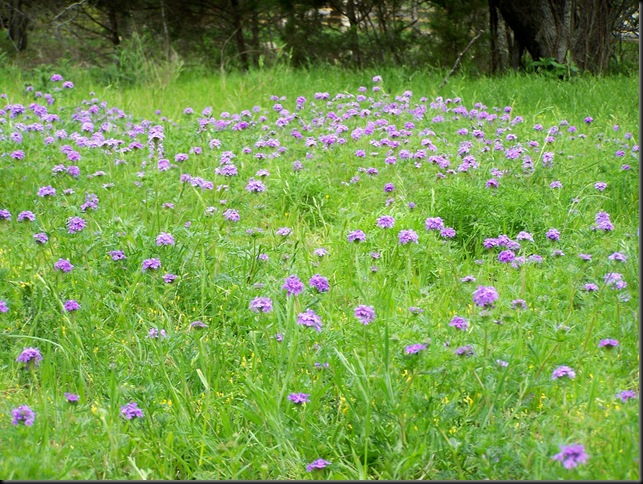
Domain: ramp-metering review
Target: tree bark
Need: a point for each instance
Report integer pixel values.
(493, 30)
(18, 25)
(238, 33)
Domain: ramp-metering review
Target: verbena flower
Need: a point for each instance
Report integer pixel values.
(386, 222)
(164, 239)
(590, 287)
(71, 305)
(320, 283)
(553, 234)
(317, 464)
(563, 371)
(320, 252)
(516, 303)
(293, 286)
(63, 265)
(466, 350)
(284, 231)
(506, 256)
(131, 411)
(365, 314)
(40, 238)
(617, 256)
(30, 356)
(468, 279)
(356, 236)
(23, 414)
(255, 186)
(626, 395)
(310, 318)
(198, 325)
(3, 306)
(434, 223)
(299, 398)
(407, 237)
(72, 397)
(75, 224)
(154, 333)
(117, 255)
(415, 310)
(571, 455)
(484, 296)
(608, 343)
(415, 348)
(26, 215)
(152, 264)
(459, 322)
(169, 278)
(231, 215)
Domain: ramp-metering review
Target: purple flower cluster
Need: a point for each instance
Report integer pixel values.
(365, 314)
(30, 356)
(320, 283)
(23, 414)
(150, 264)
(603, 222)
(484, 296)
(563, 371)
(310, 318)
(261, 305)
(407, 236)
(356, 236)
(299, 398)
(131, 411)
(571, 455)
(293, 286)
(414, 349)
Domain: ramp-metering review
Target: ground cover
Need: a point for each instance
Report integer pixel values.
(319, 275)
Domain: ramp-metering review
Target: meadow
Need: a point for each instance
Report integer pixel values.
(319, 275)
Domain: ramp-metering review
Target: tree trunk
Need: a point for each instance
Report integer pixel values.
(493, 30)
(18, 25)
(238, 33)
(556, 28)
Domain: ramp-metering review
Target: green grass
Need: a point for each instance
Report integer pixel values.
(215, 400)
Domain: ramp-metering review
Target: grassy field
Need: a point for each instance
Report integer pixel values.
(319, 275)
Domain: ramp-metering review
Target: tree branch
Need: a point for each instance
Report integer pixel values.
(457, 61)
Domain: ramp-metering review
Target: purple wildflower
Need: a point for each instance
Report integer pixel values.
(466, 350)
(5, 214)
(600, 186)
(556, 184)
(23, 414)
(117, 255)
(603, 222)
(198, 325)
(416, 310)
(261, 304)
(155, 333)
(590, 287)
(231, 215)
(131, 410)
(413, 349)
(553, 234)
(26, 215)
(625, 395)
(40, 238)
(71, 305)
(47, 191)
(434, 223)
(484, 296)
(319, 282)
(518, 303)
(255, 186)
(608, 343)
(164, 239)
(563, 371)
(284, 231)
(447, 233)
(506, 256)
(310, 318)
(502, 363)
(459, 323)
(75, 224)
(293, 286)
(618, 256)
(389, 187)
(30, 356)
(571, 455)
(365, 314)
(71, 397)
(169, 278)
(587, 257)
(298, 398)
(317, 464)
(279, 337)
(152, 263)
(385, 222)
(3, 306)
(356, 236)
(321, 252)
(524, 236)
(63, 265)
(468, 279)
(407, 236)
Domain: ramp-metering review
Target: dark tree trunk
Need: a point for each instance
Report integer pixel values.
(18, 25)
(576, 30)
(113, 25)
(353, 39)
(238, 33)
(493, 30)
